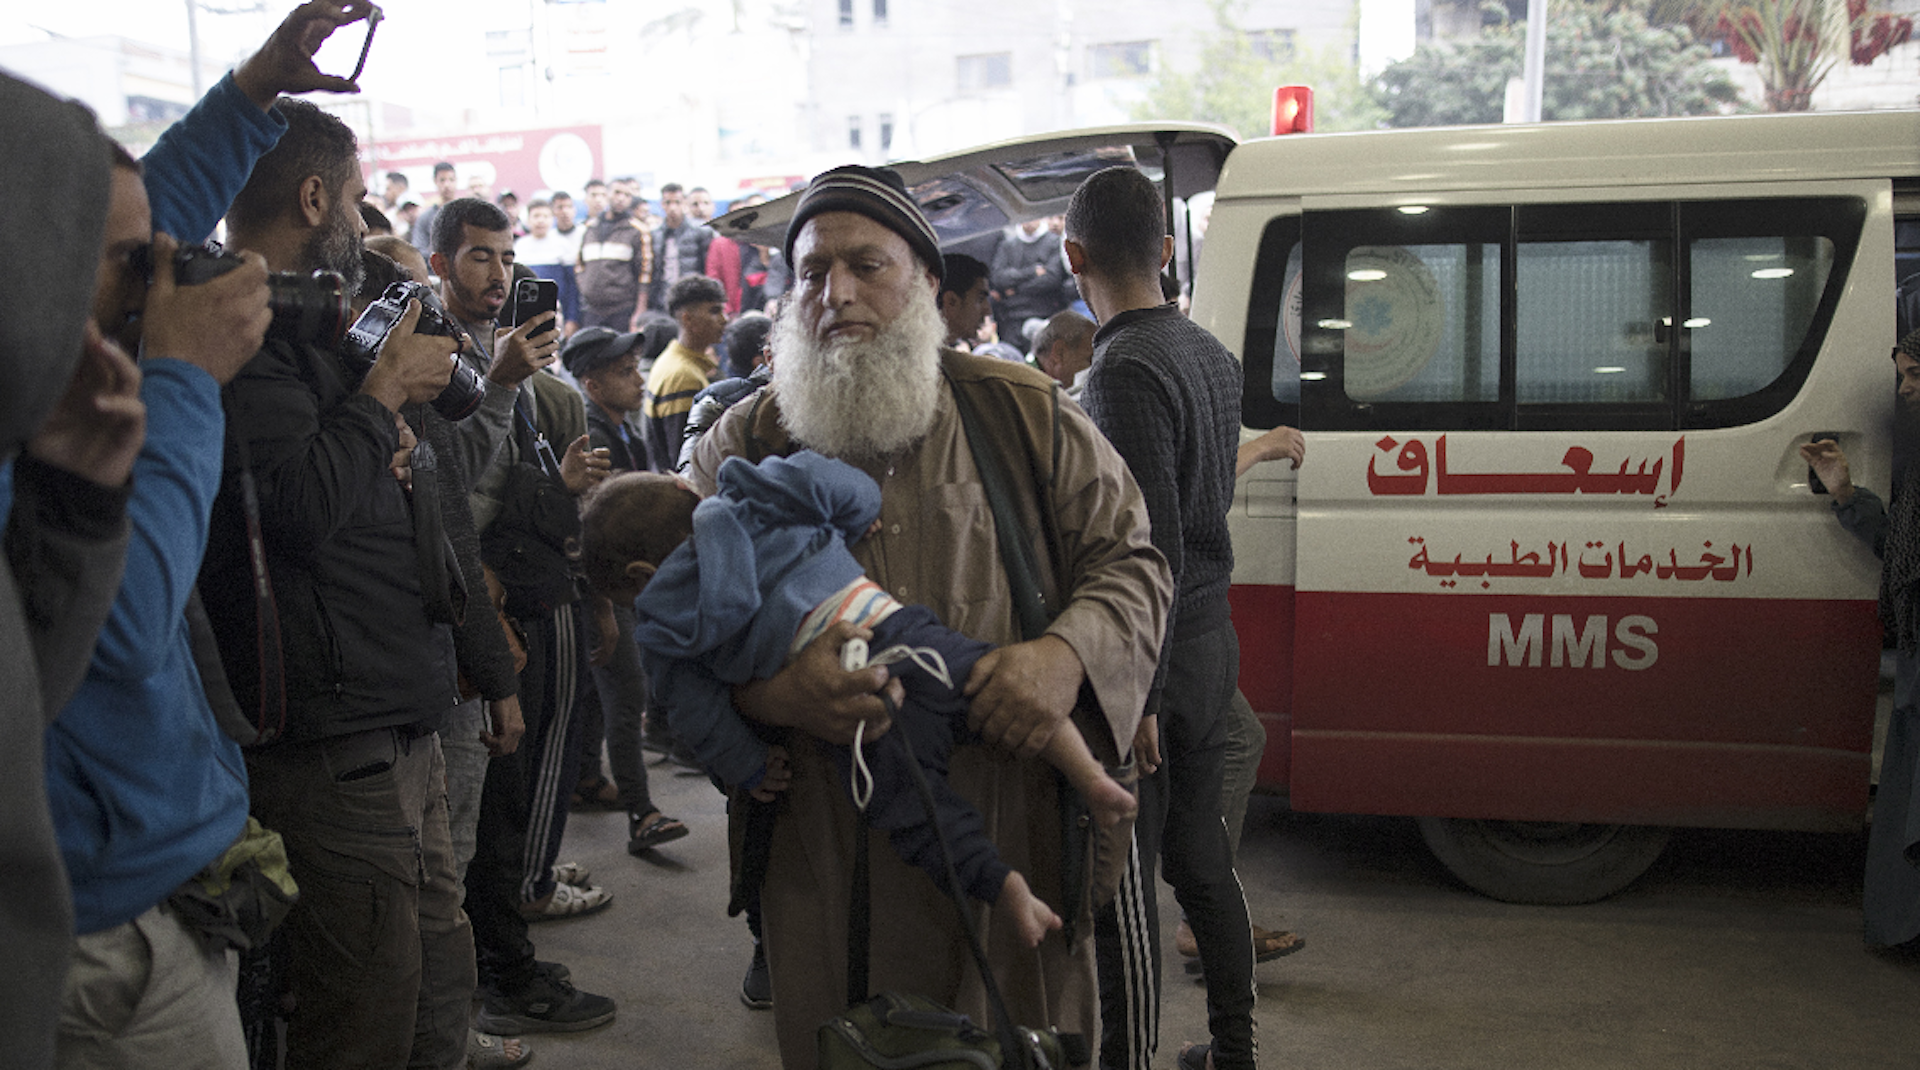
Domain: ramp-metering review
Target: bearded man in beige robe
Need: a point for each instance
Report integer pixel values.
(859, 374)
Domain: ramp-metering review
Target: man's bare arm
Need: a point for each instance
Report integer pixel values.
(1280, 443)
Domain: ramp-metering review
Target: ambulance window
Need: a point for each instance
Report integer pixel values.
(1604, 316)
(1422, 322)
(1401, 317)
(1762, 279)
(1270, 352)
(1586, 316)
(1753, 300)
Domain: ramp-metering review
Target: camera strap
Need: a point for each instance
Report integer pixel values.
(270, 718)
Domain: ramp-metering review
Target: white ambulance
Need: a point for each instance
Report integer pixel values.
(1553, 579)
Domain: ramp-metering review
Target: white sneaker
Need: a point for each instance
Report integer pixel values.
(568, 901)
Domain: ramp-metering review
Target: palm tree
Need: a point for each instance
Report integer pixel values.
(1797, 43)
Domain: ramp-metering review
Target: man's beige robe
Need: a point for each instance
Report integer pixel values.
(937, 547)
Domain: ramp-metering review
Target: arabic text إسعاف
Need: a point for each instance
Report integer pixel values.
(1418, 470)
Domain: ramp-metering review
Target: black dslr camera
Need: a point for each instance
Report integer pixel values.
(361, 347)
(306, 308)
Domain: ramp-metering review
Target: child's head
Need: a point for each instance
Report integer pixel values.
(630, 525)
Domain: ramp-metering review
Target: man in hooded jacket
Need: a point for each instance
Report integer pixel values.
(71, 414)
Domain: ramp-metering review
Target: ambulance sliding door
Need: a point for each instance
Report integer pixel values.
(1557, 559)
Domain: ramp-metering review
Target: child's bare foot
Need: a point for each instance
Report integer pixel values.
(1109, 800)
(1032, 918)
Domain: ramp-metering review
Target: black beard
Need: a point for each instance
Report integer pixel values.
(337, 247)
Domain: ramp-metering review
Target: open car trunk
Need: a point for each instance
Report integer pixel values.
(983, 190)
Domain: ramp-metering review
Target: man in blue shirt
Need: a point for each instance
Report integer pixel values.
(144, 787)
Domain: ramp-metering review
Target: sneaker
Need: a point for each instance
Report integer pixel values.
(552, 971)
(546, 1005)
(756, 989)
(568, 901)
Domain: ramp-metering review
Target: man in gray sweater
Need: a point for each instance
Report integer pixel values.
(1167, 395)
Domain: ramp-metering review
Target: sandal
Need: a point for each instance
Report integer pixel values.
(488, 1052)
(567, 902)
(595, 793)
(644, 835)
(1268, 944)
(572, 873)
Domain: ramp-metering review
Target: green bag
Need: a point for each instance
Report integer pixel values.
(896, 1032)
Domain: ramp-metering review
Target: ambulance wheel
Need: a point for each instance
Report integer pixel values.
(1539, 862)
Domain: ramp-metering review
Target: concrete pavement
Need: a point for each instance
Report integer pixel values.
(1737, 951)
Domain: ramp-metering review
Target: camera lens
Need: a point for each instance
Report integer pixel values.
(309, 308)
(464, 393)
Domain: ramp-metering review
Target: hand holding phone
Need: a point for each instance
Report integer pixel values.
(520, 350)
(530, 298)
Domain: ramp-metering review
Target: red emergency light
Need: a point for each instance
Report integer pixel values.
(1293, 110)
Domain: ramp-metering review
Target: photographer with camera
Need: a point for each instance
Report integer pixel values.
(139, 736)
(366, 672)
(151, 978)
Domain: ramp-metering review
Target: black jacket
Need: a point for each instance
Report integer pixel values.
(628, 451)
(692, 241)
(359, 649)
(1027, 279)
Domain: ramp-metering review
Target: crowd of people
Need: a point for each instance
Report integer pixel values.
(325, 631)
(314, 636)
(615, 262)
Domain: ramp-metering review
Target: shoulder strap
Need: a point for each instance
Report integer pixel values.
(1016, 553)
(270, 717)
(1030, 604)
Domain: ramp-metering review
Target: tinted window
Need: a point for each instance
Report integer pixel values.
(1641, 315)
(1753, 301)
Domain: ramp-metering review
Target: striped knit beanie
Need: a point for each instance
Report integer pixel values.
(880, 194)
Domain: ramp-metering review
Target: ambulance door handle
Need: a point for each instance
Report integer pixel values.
(1272, 498)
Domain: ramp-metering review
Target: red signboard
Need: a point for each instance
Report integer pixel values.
(554, 158)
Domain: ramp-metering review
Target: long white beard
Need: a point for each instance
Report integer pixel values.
(861, 399)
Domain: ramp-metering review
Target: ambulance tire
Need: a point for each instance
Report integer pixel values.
(1543, 863)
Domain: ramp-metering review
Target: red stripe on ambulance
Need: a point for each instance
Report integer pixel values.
(1559, 708)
